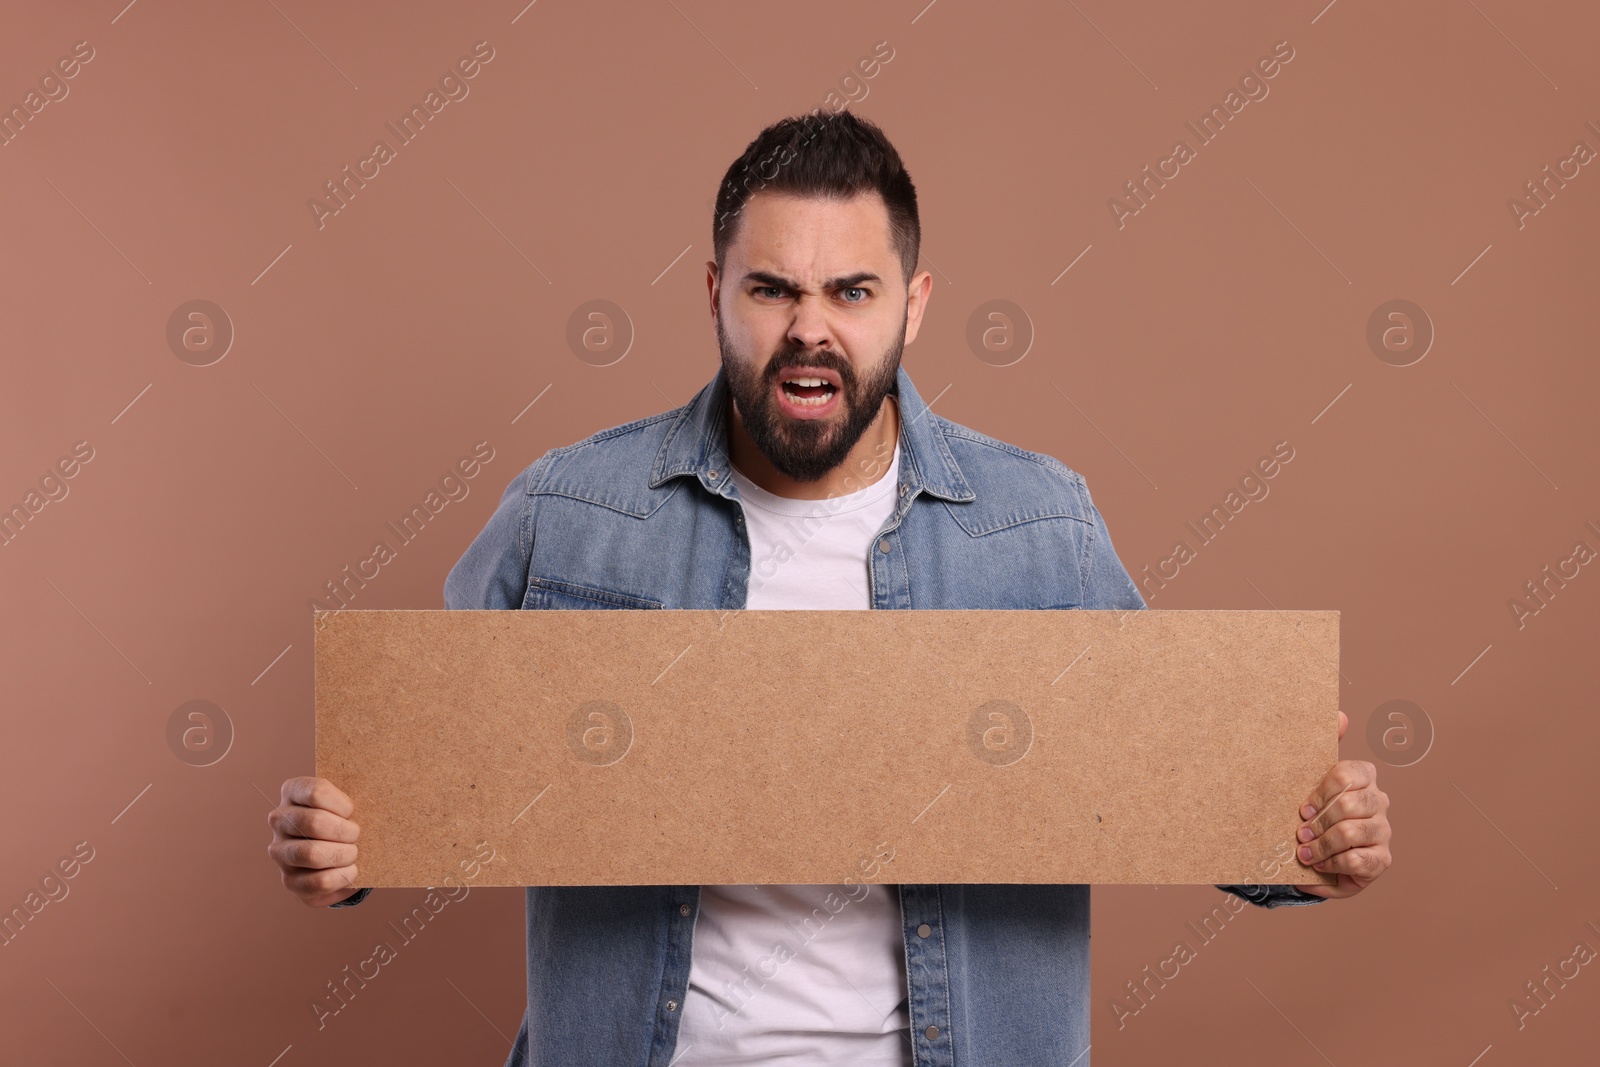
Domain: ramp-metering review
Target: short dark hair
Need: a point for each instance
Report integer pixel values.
(836, 156)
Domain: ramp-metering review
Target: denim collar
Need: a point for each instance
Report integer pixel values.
(697, 444)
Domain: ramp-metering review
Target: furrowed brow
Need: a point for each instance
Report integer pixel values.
(778, 281)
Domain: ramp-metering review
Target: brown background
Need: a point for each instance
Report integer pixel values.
(370, 354)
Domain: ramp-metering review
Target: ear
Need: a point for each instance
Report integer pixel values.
(916, 302)
(713, 286)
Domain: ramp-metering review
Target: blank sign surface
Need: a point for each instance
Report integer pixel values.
(684, 747)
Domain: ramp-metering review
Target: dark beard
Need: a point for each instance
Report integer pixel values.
(807, 449)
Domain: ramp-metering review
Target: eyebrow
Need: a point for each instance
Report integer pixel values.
(843, 282)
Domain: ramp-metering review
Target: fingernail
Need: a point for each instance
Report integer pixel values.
(1306, 833)
(1307, 811)
(1305, 853)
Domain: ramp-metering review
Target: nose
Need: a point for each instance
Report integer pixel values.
(810, 329)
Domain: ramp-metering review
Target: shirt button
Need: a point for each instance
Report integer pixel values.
(931, 1032)
(672, 1005)
(713, 474)
(924, 930)
(683, 909)
(883, 546)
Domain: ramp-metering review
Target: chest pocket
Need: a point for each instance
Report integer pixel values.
(553, 593)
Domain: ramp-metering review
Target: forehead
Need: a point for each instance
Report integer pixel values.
(800, 236)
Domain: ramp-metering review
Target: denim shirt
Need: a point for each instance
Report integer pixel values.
(644, 515)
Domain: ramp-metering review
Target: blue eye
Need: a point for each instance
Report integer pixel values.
(856, 289)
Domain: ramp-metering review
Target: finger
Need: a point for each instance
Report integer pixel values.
(303, 855)
(1352, 833)
(1366, 863)
(1347, 887)
(1345, 775)
(1344, 724)
(1365, 803)
(332, 898)
(315, 823)
(318, 793)
(312, 886)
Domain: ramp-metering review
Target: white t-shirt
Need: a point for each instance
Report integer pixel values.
(801, 974)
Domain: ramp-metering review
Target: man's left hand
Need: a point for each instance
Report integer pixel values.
(1345, 829)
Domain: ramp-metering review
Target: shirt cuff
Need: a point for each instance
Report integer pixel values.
(1272, 896)
(355, 898)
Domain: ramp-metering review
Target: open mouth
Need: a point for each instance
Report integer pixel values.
(808, 392)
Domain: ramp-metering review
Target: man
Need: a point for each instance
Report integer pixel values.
(809, 473)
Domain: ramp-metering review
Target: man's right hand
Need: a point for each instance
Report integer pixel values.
(314, 841)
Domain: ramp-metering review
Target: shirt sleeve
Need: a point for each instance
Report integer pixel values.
(1106, 585)
(493, 571)
(355, 898)
(1271, 896)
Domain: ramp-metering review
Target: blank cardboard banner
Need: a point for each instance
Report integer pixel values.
(679, 747)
